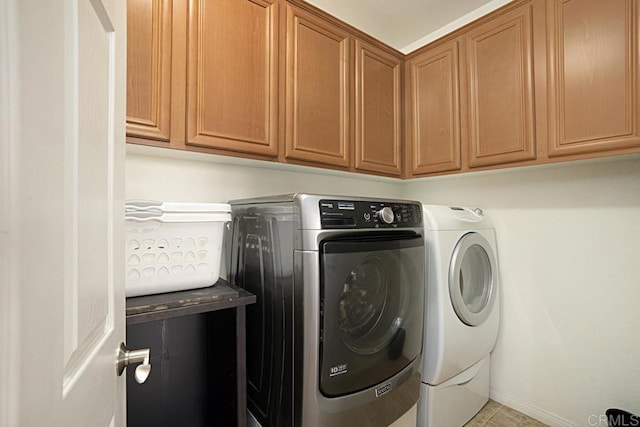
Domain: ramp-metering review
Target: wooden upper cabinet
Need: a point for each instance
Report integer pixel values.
(378, 132)
(317, 89)
(434, 110)
(500, 84)
(232, 92)
(594, 83)
(529, 83)
(149, 68)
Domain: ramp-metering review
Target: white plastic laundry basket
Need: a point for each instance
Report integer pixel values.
(172, 251)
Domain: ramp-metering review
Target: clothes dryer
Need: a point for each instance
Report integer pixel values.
(462, 314)
(335, 337)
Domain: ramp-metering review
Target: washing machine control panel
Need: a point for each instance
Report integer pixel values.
(369, 214)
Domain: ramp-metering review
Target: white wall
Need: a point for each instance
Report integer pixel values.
(207, 178)
(408, 25)
(569, 253)
(454, 25)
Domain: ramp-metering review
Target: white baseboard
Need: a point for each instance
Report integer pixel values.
(530, 410)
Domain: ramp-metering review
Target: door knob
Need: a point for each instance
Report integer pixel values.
(128, 357)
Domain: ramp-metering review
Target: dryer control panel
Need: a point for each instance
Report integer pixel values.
(467, 214)
(369, 214)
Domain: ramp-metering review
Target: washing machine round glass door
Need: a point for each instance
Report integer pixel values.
(472, 279)
(372, 293)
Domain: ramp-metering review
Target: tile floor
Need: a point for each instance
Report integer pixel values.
(496, 415)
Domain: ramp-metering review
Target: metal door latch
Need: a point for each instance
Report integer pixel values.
(127, 357)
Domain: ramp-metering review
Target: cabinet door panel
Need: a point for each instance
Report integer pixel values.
(232, 75)
(378, 121)
(317, 90)
(501, 97)
(434, 110)
(595, 80)
(148, 68)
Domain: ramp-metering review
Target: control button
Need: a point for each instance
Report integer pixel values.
(386, 215)
(367, 216)
(478, 211)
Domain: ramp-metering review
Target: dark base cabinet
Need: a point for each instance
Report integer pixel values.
(177, 389)
(192, 381)
(197, 358)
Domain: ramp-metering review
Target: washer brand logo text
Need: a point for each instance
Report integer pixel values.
(338, 370)
(382, 390)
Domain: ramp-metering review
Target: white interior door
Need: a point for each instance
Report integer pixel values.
(62, 111)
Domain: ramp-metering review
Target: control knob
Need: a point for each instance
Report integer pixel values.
(386, 215)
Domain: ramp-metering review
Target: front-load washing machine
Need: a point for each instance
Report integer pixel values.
(462, 314)
(335, 336)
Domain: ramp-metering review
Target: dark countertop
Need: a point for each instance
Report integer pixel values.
(222, 295)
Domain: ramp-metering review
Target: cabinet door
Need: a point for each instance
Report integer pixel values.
(232, 75)
(434, 110)
(148, 68)
(500, 75)
(594, 76)
(317, 90)
(378, 133)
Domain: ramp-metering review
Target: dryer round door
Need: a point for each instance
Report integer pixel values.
(473, 279)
